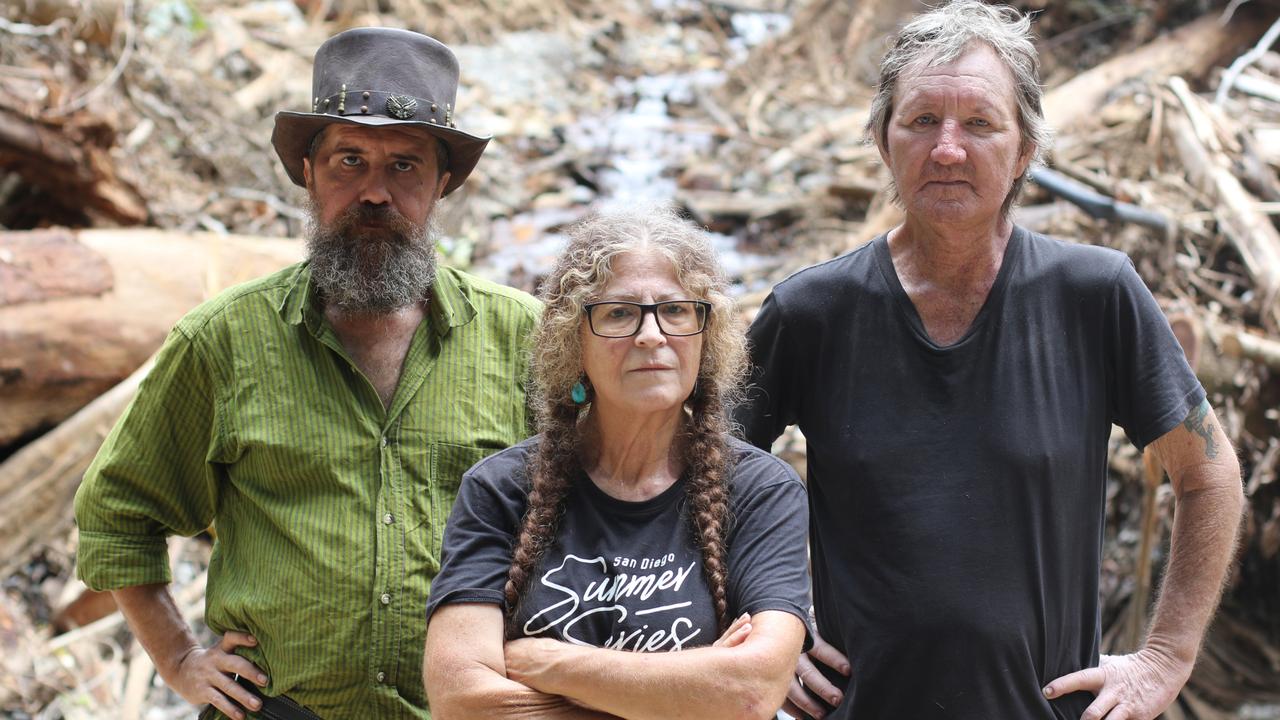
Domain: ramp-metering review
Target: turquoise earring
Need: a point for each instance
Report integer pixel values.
(578, 393)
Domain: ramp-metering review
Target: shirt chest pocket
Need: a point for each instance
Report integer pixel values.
(431, 499)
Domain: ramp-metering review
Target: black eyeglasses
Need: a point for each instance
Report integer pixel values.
(619, 319)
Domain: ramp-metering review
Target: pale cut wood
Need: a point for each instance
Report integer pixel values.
(1240, 343)
(1259, 87)
(58, 354)
(38, 483)
(1249, 231)
(817, 137)
(1191, 51)
(137, 683)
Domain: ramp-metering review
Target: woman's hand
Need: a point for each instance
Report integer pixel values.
(468, 671)
(744, 674)
(736, 633)
(527, 657)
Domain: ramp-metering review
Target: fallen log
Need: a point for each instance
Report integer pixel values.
(71, 163)
(38, 483)
(1190, 51)
(65, 342)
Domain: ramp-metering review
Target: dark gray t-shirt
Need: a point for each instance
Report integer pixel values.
(957, 493)
(628, 575)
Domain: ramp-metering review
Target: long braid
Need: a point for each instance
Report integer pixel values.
(552, 467)
(710, 465)
(582, 272)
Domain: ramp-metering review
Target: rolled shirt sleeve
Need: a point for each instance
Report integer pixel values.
(154, 475)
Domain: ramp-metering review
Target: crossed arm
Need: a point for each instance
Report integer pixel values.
(470, 673)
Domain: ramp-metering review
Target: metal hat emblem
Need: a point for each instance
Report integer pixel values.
(401, 107)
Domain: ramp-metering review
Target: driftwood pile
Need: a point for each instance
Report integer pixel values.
(143, 126)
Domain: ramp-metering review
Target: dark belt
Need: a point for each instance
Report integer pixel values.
(276, 708)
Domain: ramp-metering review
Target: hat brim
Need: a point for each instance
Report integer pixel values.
(294, 131)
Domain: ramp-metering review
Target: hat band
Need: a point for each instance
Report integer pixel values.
(377, 102)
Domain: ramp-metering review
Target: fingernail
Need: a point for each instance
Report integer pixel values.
(845, 669)
(1048, 691)
(262, 679)
(834, 699)
(253, 640)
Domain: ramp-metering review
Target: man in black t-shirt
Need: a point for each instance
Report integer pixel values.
(956, 380)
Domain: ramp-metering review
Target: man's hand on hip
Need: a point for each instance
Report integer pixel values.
(811, 695)
(207, 676)
(1138, 686)
(200, 675)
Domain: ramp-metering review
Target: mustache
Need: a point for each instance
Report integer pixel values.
(362, 218)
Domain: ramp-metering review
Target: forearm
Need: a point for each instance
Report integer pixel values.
(1205, 524)
(481, 692)
(465, 677)
(155, 620)
(746, 681)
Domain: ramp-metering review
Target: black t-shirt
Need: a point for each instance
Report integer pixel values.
(957, 493)
(628, 575)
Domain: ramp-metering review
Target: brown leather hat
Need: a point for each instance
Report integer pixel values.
(381, 76)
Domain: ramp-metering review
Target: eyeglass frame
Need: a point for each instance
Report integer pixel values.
(645, 309)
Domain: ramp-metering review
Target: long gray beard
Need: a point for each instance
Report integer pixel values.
(361, 267)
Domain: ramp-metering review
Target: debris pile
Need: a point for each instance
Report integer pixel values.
(137, 178)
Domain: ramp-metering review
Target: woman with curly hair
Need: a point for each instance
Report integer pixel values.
(633, 524)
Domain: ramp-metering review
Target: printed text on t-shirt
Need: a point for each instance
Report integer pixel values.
(588, 588)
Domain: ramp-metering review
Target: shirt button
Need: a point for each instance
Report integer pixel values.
(381, 676)
(384, 441)
(387, 519)
(386, 599)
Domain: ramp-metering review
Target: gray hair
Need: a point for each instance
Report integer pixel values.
(942, 35)
(586, 267)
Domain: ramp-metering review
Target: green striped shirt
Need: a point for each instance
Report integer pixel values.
(329, 509)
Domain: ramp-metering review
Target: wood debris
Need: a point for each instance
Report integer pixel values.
(118, 115)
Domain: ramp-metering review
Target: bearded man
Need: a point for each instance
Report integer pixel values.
(320, 418)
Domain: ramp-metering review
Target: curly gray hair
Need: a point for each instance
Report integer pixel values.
(586, 267)
(942, 35)
(556, 364)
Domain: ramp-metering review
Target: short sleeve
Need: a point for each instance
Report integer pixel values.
(480, 533)
(154, 475)
(768, 407)
(1152, 388)
(768, 556)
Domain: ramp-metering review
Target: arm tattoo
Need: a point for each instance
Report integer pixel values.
(1198, 422)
